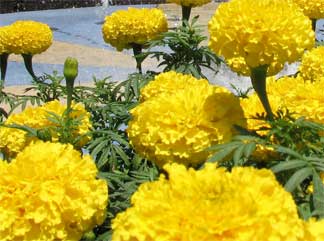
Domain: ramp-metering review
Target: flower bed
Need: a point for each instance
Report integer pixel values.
(169, 156)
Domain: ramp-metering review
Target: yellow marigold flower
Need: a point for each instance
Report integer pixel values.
(28, 37)
(189, 3)
(210, 204)
(239, 66)
(314, 9)
(314, 230)
(300, 97)
(312, 65)
(133, 26)
(169, 82)
(3, 39)
(12, 141)
(50, 192)
(180, 126)
(258, 33)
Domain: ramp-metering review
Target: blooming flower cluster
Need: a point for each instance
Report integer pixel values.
(314, 9)
(252, 33)
(169, 83)
(304, 99)
(312, 66)
(50, 192)
(189, 3)
(133, 26)
(212, 204)
(13, 140)
(178, 125)
(27, 37)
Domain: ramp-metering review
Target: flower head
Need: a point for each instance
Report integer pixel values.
(179, 126)
(300, 97)
(314, 9)
(170, 83)
(210, 204)
(3, 38)
(190, 3)
(260, 33)
(28, 37)
(312, 65)
(50, 192)
(133, 26)
(12, 140)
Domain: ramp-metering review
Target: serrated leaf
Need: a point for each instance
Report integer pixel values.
(99, 148)
(288, 165)
(220, 155)
(318, 195)
(249, 149)
(297, 178)
(238, 154)
(289, 151)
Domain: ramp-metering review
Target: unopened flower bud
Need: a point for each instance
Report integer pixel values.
(70, 70)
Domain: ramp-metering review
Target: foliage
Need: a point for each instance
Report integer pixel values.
(186, 55)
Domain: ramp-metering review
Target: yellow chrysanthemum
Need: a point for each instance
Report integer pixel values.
(312, 65)
(300, 97)
(210, 204)
(133, 26)
(239, 66)
(50, 192)
(169, 82)
(13, 140)
(314, 9)
(28, 37)
(180, 126)
(314, 230)
(3, 39)
(190, 3)
(263, 32)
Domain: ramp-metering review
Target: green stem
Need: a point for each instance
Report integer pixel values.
(314, 24)
(137, 50)
(3, 64)
(28, 60)
(258, 79)
(185, 13)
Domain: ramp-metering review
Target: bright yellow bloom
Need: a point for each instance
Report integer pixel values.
(189, 3)
(314, 9)
(3, 38)
(312, 65)
(50, 192)
(263, 32)
(314, 230)
(179, 126)
(210, 204)
(12, 141)
(133, 26)
(300, 97)
(169, 82)
(28, 37)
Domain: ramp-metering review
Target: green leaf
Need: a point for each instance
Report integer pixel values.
(220, 155)
(289, 151)
(249, 149)
(297, 178)
(238, 153)
(288, 165)
(318, 195)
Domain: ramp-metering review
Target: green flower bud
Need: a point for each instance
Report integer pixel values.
(70, 70)
(70, 73)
